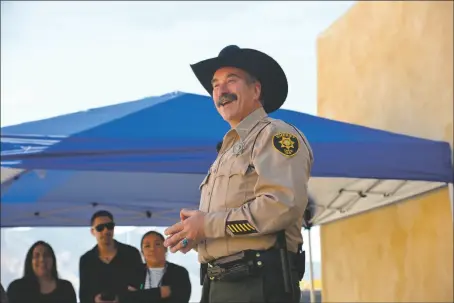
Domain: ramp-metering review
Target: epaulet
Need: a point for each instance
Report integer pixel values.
(294, 127)
(265, 122)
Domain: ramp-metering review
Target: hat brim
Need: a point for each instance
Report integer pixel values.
(260, 65)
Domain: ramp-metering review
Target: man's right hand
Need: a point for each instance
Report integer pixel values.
(183, 217)
(165, 292)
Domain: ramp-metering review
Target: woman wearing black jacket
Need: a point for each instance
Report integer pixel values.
(163, 281)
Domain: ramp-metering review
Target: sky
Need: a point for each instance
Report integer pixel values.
(61, 57)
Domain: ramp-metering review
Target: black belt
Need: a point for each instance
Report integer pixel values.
(244, 264)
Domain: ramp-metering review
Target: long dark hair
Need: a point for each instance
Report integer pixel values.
(29, 274)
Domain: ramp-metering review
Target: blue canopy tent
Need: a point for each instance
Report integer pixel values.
(144, 160)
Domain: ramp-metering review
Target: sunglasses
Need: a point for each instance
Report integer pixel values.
(99, 228)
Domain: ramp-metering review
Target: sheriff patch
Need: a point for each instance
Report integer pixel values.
(286, 143)
(241, 227)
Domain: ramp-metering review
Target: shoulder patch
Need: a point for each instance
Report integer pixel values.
(241, 227)
(286, 143)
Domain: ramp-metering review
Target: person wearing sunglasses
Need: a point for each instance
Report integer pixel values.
(106, 271)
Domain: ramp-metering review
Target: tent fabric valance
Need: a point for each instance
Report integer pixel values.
(145, 160)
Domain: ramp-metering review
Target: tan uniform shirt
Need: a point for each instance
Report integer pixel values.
(256, 187)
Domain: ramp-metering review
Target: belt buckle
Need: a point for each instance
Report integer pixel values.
(214, 272)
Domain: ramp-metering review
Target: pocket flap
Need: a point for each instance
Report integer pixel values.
(205, 181)
(240, 167)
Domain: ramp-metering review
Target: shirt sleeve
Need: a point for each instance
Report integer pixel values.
(283, 162)
(15, 293)
(133, 272)
(68, 292)
(3, 297)
(86, 294)
(138, 269)
(181, 290)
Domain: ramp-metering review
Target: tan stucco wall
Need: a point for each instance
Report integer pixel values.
(389, 65)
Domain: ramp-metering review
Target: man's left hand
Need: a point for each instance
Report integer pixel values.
(191, 228)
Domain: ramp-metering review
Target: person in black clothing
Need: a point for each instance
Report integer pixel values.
(40, 283)
(162, 281)
(106, 271)
(3, 297)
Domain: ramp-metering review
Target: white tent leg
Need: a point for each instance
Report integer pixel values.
(311, 267)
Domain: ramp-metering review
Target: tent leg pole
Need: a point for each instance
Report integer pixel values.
(311, 267)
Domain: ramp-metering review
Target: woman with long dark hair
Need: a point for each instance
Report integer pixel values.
(40, 283)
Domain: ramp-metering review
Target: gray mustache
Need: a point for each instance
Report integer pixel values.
(225, 98)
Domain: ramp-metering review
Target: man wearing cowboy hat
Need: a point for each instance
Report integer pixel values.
(256, 188)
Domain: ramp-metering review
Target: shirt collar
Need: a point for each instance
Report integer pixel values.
(247, 124)
(116, 243)
(243, 129)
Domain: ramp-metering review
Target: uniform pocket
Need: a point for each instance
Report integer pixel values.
(203, 187)
(241, 183)
(217, 188)
(205, 181)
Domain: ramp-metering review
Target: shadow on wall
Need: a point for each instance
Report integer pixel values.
(306, 296)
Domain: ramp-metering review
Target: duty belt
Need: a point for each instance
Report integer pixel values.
(244, 264)
(235, 267)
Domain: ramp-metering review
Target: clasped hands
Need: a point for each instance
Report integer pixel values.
(190, 227)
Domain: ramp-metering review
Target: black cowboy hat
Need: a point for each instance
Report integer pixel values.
(257, 64)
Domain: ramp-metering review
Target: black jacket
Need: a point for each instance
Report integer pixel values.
(26, 291)
(175, 276)
(96, 277)
(3, 298)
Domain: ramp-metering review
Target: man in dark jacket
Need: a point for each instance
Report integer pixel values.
(3, 297)
(110, 267)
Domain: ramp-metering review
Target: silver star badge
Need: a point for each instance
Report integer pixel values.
(238, 148)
